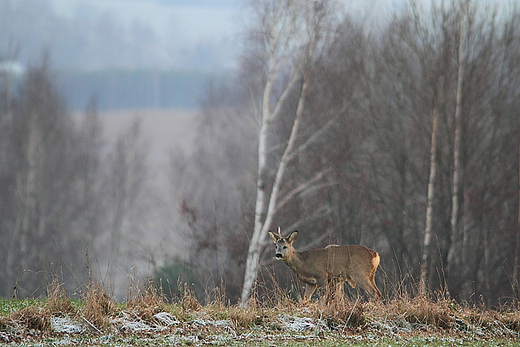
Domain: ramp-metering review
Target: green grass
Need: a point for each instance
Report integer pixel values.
(9, 306)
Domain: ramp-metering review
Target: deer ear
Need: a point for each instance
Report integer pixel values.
(292, 236)
(274, 237)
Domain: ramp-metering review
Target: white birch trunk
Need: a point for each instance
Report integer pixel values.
(29, 189)
(253, 254)
(429, 209)
(455, 252)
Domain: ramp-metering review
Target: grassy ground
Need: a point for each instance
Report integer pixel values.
(146, 319)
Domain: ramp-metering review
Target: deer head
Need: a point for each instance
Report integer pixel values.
(283, 245)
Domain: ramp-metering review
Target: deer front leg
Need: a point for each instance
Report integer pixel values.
(334, 291)
(309, 289)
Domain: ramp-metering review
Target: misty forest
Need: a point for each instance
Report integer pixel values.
(401, 135)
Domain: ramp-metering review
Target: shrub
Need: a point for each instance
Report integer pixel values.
(175, 278)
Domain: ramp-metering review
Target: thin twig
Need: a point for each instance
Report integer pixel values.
(92, 325)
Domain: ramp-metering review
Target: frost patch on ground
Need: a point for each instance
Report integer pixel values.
(66, 325)
(124, 322)
(393, 327)
(166, 319)
(132, 323)
(211, 322)
(299, 324)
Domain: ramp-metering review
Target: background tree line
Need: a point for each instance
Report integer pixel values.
(349, 132)
(360, 166)
(71, 203)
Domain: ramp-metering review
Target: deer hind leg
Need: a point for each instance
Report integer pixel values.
(375, 291)
(369, 285)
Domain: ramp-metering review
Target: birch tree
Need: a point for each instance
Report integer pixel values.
(429, 209)
(455, 256)
(291, 34)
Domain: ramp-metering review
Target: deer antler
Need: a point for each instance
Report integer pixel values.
(279, 232)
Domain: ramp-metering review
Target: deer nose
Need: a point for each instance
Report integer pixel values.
(278, 255)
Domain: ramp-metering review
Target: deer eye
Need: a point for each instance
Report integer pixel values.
(284, 247)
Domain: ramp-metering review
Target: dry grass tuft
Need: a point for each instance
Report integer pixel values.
(145, 303)
(512, 320)
(273, 295)
(33, 318)
(507, 318)
(420, 310)
(218, 306)
(341, 313)
(98, 306)
(244, 317)
(476, 317)
(58, 302)
(188, 299)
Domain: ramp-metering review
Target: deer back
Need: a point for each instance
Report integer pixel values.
(339, 261)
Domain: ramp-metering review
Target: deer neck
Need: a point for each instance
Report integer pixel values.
(294, 262)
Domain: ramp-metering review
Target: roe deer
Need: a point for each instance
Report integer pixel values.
(332, 265)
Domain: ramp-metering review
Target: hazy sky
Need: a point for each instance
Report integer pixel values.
(185, 24)
(184, 19)
(185, 33)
